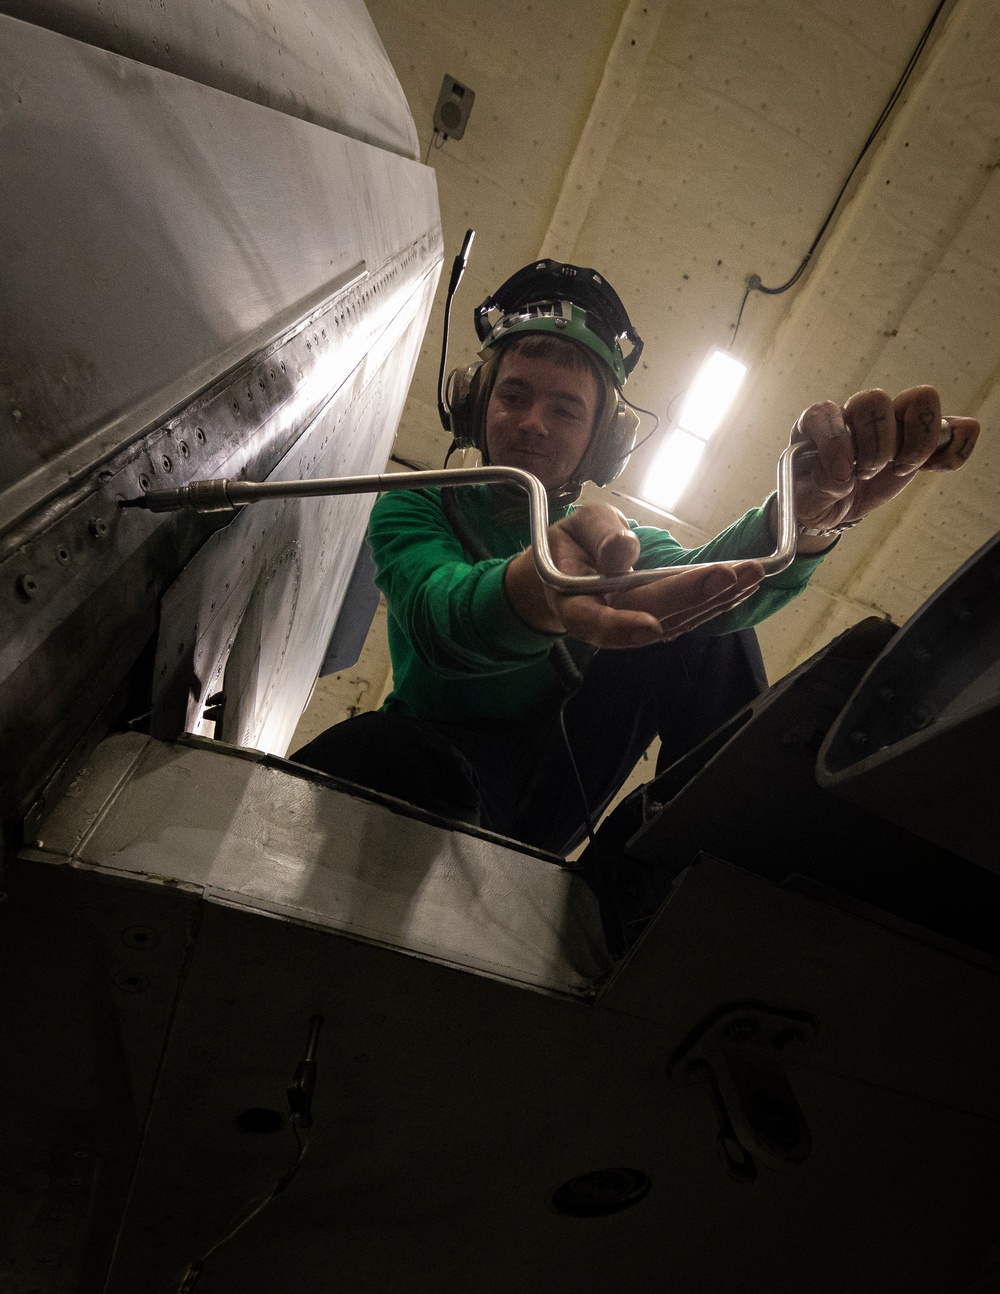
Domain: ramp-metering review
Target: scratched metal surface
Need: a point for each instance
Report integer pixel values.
(249, 618)
(315, 60)
(206, 233)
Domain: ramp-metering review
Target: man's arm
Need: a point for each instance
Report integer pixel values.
(452, 613)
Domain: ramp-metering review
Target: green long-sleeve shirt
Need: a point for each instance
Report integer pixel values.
(459, 650)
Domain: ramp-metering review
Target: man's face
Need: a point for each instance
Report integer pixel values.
(540, 417)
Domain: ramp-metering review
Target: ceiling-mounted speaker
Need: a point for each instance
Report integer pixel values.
(453, 107)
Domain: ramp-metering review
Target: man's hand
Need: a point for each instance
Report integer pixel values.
(868, 452)
(595, 539)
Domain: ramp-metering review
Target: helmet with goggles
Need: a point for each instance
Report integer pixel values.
(579, 306)
(568, 301)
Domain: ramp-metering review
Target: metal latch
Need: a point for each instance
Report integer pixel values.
(739, 1057)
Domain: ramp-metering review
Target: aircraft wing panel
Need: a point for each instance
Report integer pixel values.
(317, 60)
(190, 280)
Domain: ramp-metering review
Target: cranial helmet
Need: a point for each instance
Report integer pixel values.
(557, 300)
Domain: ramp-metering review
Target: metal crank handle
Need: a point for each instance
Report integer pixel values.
(226, 496)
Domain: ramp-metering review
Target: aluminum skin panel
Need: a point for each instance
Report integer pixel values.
(207, 234)
(89, 987)
(198, 218)
(248, 619)
(320, 60)
(260, 833)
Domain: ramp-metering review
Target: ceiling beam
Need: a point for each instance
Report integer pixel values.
(635, 37)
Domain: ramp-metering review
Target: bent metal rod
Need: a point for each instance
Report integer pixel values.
(227, 496)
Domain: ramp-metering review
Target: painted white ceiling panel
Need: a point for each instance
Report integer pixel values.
(747, 122)
(963, 293)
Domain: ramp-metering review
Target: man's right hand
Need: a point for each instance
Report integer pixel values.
(596, 539)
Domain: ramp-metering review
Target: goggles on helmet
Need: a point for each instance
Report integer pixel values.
(564, 300)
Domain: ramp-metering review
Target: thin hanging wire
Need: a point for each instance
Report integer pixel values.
(257, 1205)
(753, 283)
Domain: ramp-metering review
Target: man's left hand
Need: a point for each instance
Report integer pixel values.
(869, 451)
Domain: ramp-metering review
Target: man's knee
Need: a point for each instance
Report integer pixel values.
(400, 757)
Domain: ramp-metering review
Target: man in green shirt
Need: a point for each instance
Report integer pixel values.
(490, 665)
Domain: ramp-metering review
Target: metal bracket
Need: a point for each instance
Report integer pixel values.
(738, 1055)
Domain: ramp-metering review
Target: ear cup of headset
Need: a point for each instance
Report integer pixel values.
(463, 396)
(610, 453)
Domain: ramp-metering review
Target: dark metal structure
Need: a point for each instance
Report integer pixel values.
(918, 741)
(750, 794)
(773, 1090)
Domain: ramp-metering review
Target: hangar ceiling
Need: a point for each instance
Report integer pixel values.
(682, 147)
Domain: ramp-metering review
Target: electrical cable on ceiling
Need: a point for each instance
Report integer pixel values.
(754, 283)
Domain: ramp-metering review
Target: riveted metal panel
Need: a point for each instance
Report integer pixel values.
(227, 270)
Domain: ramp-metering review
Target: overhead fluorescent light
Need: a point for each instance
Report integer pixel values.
(711, 393)
(673, 467)
(705, 405)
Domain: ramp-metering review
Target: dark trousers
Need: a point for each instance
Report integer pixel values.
(514, 777)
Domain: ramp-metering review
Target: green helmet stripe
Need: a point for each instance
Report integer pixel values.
(561, 319)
